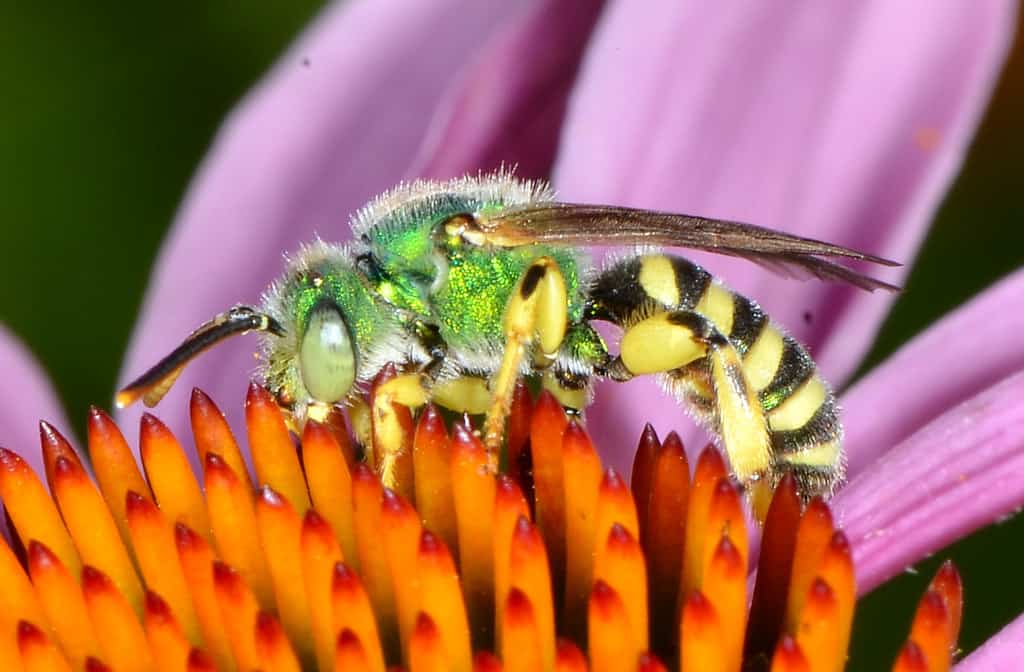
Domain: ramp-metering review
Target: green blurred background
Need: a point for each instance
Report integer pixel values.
(108, 107)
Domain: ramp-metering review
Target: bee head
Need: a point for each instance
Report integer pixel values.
(335, 333)
(323, 332)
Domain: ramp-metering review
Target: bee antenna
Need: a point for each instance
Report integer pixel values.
(154, 383)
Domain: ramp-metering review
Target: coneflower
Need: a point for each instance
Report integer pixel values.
(555, 563)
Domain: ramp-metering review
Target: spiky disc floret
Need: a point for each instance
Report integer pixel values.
(322, 568)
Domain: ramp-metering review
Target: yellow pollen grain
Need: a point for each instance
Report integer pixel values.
(799, 408)
(658, 279)
(762, 359)
(716, 304)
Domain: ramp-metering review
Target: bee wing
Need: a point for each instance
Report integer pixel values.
(572, 224)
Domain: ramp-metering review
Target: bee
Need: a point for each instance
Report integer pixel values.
(469, 284)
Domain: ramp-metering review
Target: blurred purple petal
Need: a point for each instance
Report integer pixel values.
(843, 121)
(26, 397)
(511, 104)
(960, 472)
(339, 119)
(1001, 653)
(935, 371)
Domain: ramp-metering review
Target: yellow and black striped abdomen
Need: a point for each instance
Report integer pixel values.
(801, 413)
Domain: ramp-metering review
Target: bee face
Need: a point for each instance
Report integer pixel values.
(317, 360)
(336, 335)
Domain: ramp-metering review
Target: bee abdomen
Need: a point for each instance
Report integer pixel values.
(801, 411)
(813, 451)
(635, 288)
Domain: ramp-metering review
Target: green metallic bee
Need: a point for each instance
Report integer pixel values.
(469, 284)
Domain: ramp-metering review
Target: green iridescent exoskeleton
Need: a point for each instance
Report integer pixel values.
(411, 290)
(470, 284)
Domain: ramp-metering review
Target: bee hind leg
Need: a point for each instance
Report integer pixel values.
(537, 309)
(667, 342)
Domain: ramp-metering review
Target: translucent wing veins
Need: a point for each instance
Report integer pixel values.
(572, 224)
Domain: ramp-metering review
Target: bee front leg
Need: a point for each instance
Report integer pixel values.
(538, 308)
(667, 342)
(387, 440)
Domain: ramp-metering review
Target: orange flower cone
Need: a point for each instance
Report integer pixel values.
(555, 564)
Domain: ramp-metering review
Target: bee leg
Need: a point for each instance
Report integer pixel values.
(359, 416)
(684, 337)
(460, 391)
(572, 392)
(538, 308)
(465, 394)
(388, 435)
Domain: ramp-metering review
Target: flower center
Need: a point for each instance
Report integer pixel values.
(320, 567)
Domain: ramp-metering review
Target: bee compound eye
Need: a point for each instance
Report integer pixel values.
(326, 357)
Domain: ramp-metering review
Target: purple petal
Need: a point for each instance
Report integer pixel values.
(26, 397)
(340, 119)
(960, 472)
(844, 121)
(1001, 653)
(510, 108)
(936, 371)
